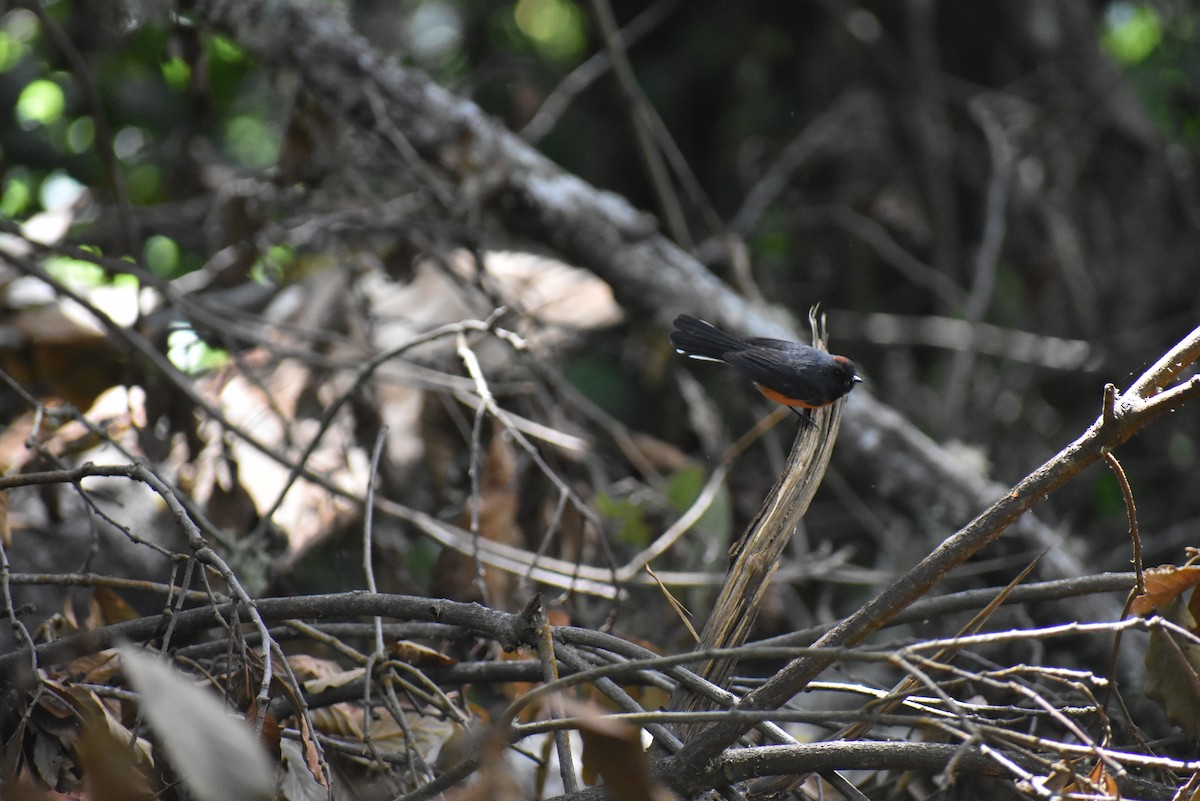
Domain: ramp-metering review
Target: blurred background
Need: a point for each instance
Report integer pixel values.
(995, 203)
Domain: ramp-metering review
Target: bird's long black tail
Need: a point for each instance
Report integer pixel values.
(701, 340)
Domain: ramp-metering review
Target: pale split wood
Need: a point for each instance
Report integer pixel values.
(755, 557)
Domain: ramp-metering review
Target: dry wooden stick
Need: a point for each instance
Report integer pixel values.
(755, 557)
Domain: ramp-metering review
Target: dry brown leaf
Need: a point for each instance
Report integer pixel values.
(308, 514)
(349, 721)
(14, 454)
(1060, 777)
(388, 738)
(339, 677)
(58, 625)
(110, 608)
(57, 702)
(112, 769)
(494, 781)
(1104, 780)
(341, 720)
(95, 668)
(1099, 780)
(308, 668)
(454, 574)
(550, 291)
(231, 507)
(1172, 667)
(418, 655)
(114, 764)
(613, 751)
(1163, 584)
(25, 790)
(515, 689)
(58, 357)
(307, 746)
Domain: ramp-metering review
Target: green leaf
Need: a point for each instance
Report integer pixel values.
(161, 255)
(682, 490)
(633, 529)
(556, 28)
(41, 102)
(192, 355)
(17, 194)
(1107, 495)
(1131, 32)
(12, 51)
(75, 273)
(252, 141)
(176, 72)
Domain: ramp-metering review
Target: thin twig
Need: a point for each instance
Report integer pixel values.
(583, 76)
(1135, 537)
(368, 552)
(987, 257)
(562, 743)
(487, 402)
(640, 114)
(475, 464)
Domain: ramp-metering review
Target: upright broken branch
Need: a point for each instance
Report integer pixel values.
(755, 557)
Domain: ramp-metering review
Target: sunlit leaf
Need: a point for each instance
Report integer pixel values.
(17, 194)
(252, 141)
(191, 354)
(161, 255)
(41, 102)
(81, 134)
(75, 272)
(60, 191)
(1132, 32)
(144, 182)
(176, 72)
(12, 51)
(555, 27)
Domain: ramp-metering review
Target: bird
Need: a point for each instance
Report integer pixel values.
(795, 375)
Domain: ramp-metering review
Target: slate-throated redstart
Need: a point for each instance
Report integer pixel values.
(786, 372)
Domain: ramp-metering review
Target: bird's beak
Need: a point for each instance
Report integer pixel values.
(857, 380)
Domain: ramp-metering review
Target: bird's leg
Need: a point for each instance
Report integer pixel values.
(805, 416)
